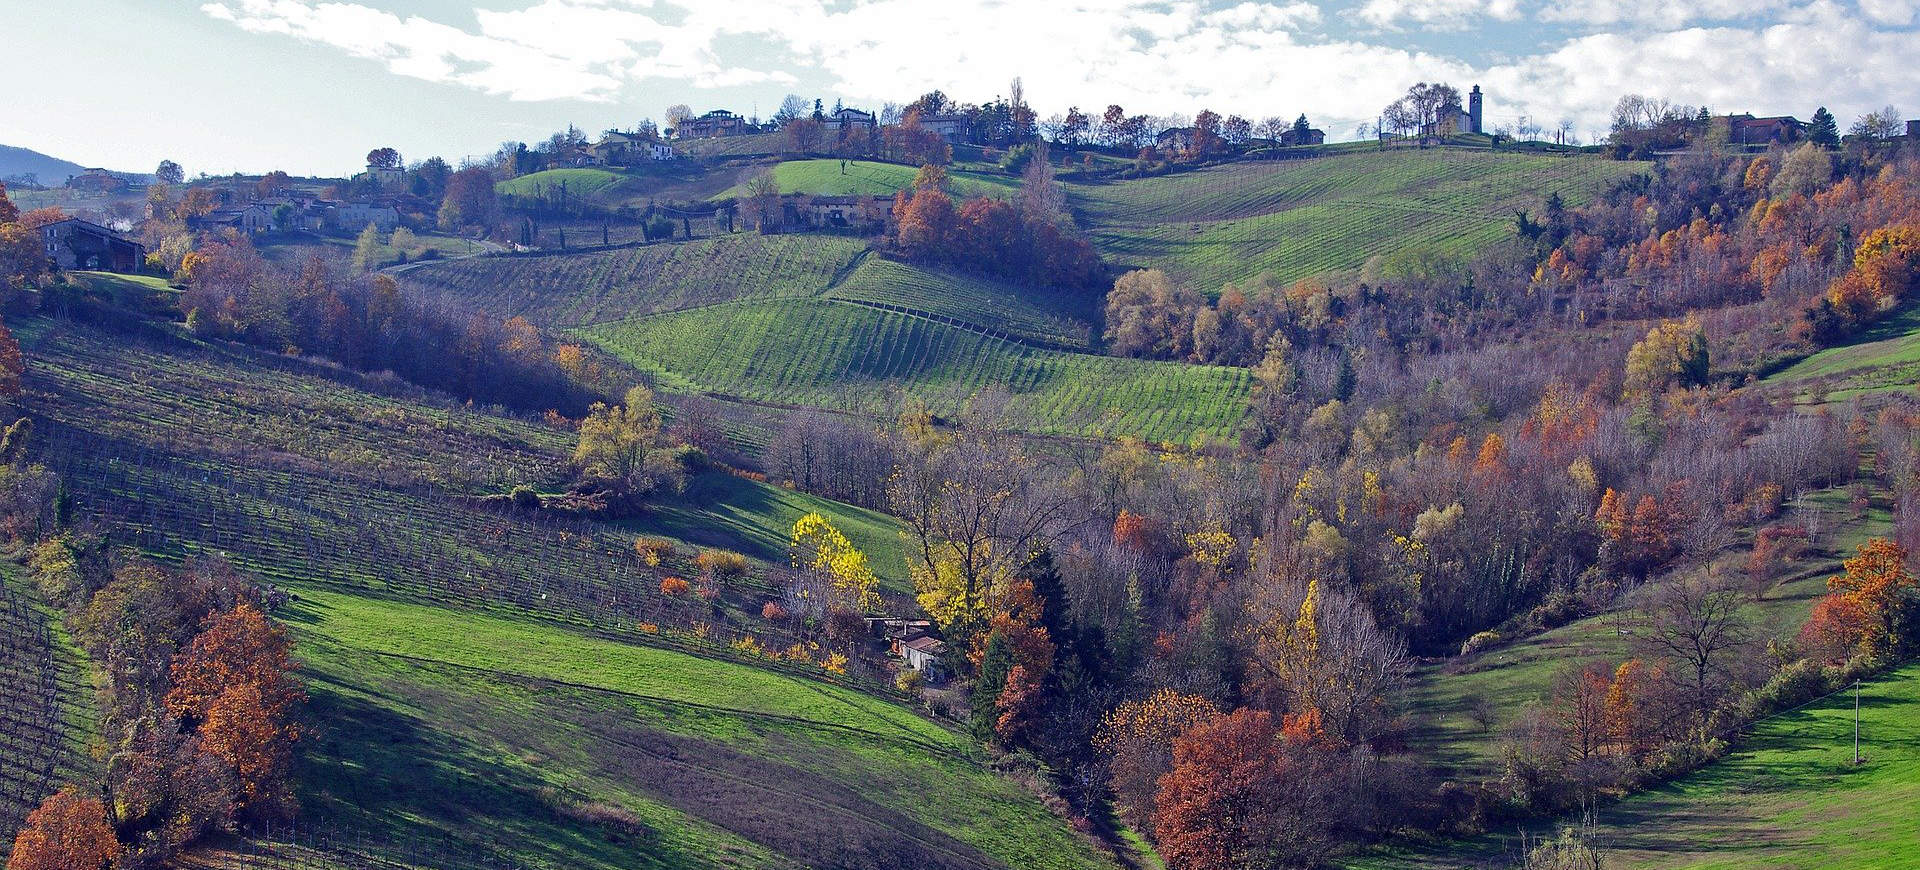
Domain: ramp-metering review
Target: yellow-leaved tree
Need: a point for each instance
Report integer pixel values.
(614, 440)
(834, 575)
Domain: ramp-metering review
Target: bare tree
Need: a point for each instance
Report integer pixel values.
(1693, 623)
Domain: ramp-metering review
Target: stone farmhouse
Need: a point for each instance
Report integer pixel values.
(79, 244)
(617, 148)
(714, 125)
(1749, 130)
(850, 119)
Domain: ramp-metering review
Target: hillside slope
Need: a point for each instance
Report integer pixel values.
(1296, 218)
(26, 161)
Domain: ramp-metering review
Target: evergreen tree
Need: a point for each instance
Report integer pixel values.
(1822, 131)
(987, 686)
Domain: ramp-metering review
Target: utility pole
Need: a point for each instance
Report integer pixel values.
(1856, 723)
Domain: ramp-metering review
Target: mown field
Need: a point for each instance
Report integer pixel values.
(1303, 217)
(1789, 797)
(1883, 359)
(453, 740)
(872, 178)
(498, 689)
(834, 355)
(579, 289)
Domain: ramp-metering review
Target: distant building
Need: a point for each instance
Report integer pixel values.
(1913, 130)
(355, 216)
(714, 125)
(1176, 139)
(1749, 130)
(386, 175)
(850, 119)
(96, 180)
(955, 128)
(617, 148)
(251, 219)
(1314, 136)
(78, 244)
(836, 212)
(1451, 119)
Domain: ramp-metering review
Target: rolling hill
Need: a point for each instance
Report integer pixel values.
(494, 688)
(1297, 218)
(820, 353)
(47, 170)
(871, 178)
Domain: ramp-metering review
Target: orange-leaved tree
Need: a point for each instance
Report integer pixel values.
(69, 831)
(1874, 603)
(1241, 796)
(233, 686)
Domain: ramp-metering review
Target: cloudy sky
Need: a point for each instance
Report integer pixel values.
(311, 85)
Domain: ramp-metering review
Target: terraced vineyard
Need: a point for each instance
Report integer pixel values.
(1303, 217)
(869, 177)
(835, 355)
(580, 289)
(1042, 316)
(44, 696)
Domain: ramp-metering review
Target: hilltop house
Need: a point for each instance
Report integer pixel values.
(386, 175)
(1913, 130)
(955, 128)
(1174, 139)
(850, 119)
(355, 216)
(714, 125)
(625, 149)
(1314, 136)
(96, 180)
(1749, 130)
(78, 244)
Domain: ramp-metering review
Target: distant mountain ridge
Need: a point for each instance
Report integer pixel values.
(51, 171)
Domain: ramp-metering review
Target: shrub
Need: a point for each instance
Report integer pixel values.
(674, 587)
(909, 681)
(652, 550)
(1797, 682)
(721, 563)
(773, 612)
(749, 646)
(1480, 643)
(836, 663)
(524, 498)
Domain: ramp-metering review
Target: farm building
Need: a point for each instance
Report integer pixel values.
(253, 218)
(953, 128)
(1749, 130)
(1313, 136)
(355, 216)
(96, 180)
(1175, 139)
(78, 244)
(923, 654)
(834, 212)
(716, 124)
(625, 149)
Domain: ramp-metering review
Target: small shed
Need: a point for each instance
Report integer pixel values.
(923, 654)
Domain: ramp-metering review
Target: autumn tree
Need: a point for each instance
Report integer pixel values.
(834, 575)
(383, 158)
(1239, 796)
(13, 365)
(614, 440)
(68, 831)
(1673, 354)
(470, 201)
(975, 507)
(169, 172)
(233, 687)
(1328, 654)
(1137, 737)
(1872, 608)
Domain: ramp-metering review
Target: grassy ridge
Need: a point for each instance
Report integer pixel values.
(579, 289)
(871, 178)
(1883, 359)
(1788, 798)
(1044, 316)
(1298, 218)
(583, 181)
(823, 354)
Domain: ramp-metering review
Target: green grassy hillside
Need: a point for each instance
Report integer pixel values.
(868, 177)
(833, 355)
(584, 181)
(1790, 797)
(491, 688)
(458, 738)
(1042, 316)
(579, 289)
(1883, 359)
(1302, 217)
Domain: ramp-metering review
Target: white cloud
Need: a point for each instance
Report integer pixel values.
(1656, 13)
(1155, 56)
(1436, 14)
(1897, 13)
